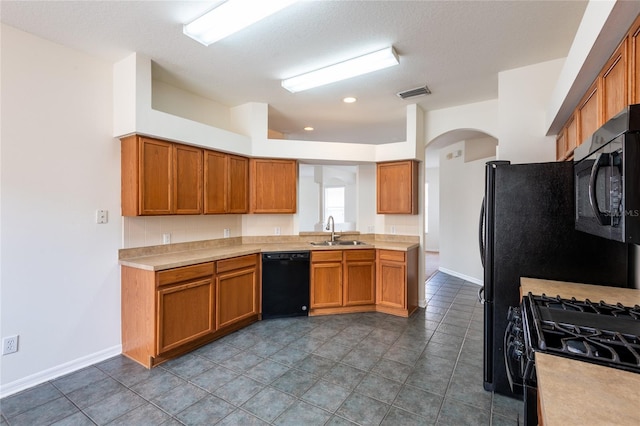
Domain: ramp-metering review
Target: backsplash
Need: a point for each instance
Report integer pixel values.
(148, 230)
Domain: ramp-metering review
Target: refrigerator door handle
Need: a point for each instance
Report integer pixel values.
(481, 233)
(481, 295)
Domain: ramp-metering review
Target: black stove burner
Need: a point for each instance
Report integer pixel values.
(577, 346)
(595, 332)
(600, 308)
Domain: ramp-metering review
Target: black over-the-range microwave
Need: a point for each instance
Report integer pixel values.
(607, 179)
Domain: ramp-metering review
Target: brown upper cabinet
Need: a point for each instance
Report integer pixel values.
(617, 85)
(561, 144)
(614, 83)
(226, 183)
(588, 113)
(634, 62)
(160, 178)
(567, 140)
(273, 185)
(571, 135)
(397, 187)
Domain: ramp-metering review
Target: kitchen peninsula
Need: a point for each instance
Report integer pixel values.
(178, 297)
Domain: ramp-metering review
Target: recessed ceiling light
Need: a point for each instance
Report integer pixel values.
(341, 71)
(309, 129)
(230, 17)
(349, 100)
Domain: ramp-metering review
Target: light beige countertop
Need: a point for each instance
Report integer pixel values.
(595, 293)
(158, 258)
(579, 393)
(574, 392)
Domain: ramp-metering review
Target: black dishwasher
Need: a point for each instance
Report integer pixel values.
(285, 284)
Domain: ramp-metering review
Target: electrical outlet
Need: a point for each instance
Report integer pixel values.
(393, 229)
(166, 238)
(10, 345)
(276, 230)
(226, 232)
(102, 216)
(371, 229)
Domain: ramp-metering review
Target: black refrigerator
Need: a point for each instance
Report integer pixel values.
(527, 229)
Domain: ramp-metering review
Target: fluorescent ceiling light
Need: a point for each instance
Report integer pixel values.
(230, 17)
(353, 67)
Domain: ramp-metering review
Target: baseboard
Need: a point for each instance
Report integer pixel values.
(459, 275)
(57, 371)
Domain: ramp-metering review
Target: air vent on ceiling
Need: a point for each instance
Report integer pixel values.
(418, 91)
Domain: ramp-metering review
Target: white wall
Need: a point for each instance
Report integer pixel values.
(461, 191)
(524, 95)
(367, 199)
(60, 277)
(308, 202)
(482, 116)
(175, 101)
(432, 238)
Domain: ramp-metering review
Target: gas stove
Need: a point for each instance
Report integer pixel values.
(593, 332)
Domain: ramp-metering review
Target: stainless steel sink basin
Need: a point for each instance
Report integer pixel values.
(338, 243)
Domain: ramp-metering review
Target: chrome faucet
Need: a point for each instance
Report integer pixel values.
(331, 226)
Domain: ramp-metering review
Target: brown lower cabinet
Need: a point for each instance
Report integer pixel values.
(168, 313)
(344, 281)
(237, 290)
(397, 282)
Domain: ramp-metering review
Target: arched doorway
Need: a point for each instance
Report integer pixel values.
(454, 186)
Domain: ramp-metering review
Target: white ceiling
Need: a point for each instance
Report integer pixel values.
(457, 48)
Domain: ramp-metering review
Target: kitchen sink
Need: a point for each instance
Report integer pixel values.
(338, 243)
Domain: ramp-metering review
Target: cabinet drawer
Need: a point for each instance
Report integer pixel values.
(392, 255)
(237, 263)
(326, 256)
(359, 255)
(177, 275)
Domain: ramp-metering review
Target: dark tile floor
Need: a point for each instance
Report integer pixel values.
(362, 369)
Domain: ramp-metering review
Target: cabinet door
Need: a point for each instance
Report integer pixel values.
(273, 186)
(613, 83)
(326, 279)
(185, 313)
(359, 277)
(588, 114)
(215, 182)
(391, 284)
(155, 170)
(561, 145)
(571, 135)
(187, 180)
(237, 290)
(238, 187)
(634, 60)
(397, 190)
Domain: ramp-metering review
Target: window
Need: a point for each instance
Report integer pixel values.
(334, 203)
